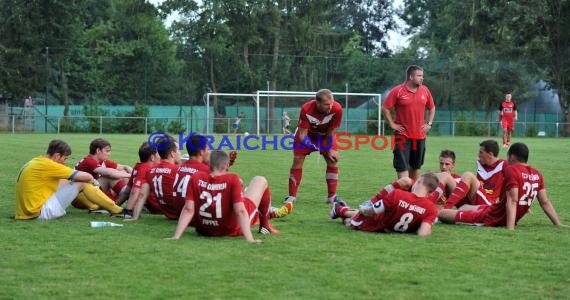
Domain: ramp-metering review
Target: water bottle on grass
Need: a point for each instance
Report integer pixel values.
(97, 224)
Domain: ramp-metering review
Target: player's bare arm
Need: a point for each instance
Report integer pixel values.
(134, 197)
(81, 176)
(125, 168)
(302, 133)
(243, 221)
(185, 217)
(548, 209)
(331, 154)
(112, 173)
(424, 230)
(396, 127)
(145, 191)
(512, 200)
(427, 126)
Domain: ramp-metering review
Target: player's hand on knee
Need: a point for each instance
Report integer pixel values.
(333, 155)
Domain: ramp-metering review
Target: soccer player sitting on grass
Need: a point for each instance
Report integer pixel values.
(162, 181)
(220, 206)
(148, 158)
(111, 175)
(485, 187)
(397, 211)
(446, 165)
(522, 183)
(45, 187)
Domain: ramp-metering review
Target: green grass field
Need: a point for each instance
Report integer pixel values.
(312, 258)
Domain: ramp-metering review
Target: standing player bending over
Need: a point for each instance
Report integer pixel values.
(398, 211)
(521, 185)
(221, 207)
(318, 121)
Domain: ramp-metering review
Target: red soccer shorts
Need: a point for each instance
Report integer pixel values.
(322, 143)
(508, 125)
(253, 216)
(472, 217)
(371, 224)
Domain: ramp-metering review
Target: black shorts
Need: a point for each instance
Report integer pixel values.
(411, 156)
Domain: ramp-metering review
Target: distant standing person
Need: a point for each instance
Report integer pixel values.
(237, 119)
(507, 116)
(286, 123)
(410, 100)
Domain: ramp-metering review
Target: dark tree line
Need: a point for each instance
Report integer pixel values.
(120, 52)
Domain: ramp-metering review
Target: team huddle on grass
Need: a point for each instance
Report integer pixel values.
(200, 192)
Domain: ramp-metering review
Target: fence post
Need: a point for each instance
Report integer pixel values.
(489, 129)
(556, 129)
(13, 124)
(58, 125)
(100, 125)
(453, 128)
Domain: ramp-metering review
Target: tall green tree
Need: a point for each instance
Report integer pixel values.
(464, 43)
(133, 52)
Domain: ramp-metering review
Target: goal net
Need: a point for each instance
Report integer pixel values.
(262, 112)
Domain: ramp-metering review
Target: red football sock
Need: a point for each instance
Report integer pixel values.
(387, 190)
(264, 207)
(341, 210)
(332, 180)
(294, 181)
(459, 193)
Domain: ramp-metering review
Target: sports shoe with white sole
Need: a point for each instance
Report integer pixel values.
(336, 204)
(289, 199)
(282, 211)
(267, 229)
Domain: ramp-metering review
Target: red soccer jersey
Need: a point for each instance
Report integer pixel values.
(214, 198)
(318, 123)
(403, 212)
(185, 172)
(491, 178)
(162, 179)
(138, 177)
(410, 108)
(528, 180)
(507, 110)
(89, 164)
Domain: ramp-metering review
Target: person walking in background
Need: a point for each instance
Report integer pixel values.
(507, 116)
(409, 101)
(286, 123)
(237, 119)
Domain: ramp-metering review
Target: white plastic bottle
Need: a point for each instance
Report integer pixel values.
(97, 224)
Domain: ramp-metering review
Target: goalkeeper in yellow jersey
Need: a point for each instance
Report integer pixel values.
(45, 186)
